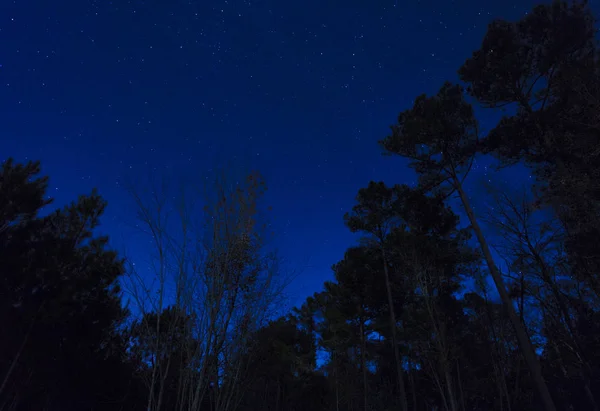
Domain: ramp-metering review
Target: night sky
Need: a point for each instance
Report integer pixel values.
(103, 90)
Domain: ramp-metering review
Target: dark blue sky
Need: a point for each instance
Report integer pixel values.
(99, 90)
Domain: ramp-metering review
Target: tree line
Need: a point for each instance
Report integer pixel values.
(397, 329)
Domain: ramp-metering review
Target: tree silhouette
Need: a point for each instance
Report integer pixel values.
(407, 320)
(440, 137)
(62, 301)
(374, 214)
(547, 67)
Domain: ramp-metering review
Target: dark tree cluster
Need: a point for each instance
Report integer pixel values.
(419, 316)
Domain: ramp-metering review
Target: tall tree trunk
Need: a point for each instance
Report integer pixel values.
(388, 286)
(571, 329)
(450, 388)
(278, 395)
(586, 371)
(336, 380)
(413, 388)
(499, 365)
(460, 387)
(363, 363)
(16, 358)
(439, 330)
(436, 378)
(18, 354)
(337, 397)
(524, 341)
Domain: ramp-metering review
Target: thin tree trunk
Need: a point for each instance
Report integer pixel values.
(363, 364)
(337, 393)
(335, 377)
(586, 372)
(568, 320)
(524, 341)
(16, 359)
(162, 384)
(438, 383)
(590, 395)
(460, 387)
(450, 388)
(401, 388)
(500, 365)
(506, 392)
(21, 348)
(413, 389)
(277, 396)
(439, 330)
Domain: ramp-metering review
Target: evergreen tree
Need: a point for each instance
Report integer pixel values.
(61, 305)
(440, 135)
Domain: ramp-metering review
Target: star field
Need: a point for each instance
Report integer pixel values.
(102, 91)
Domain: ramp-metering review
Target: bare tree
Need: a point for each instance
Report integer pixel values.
(428, 283)
(534, 244)
(499, 344)
(212, 264)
